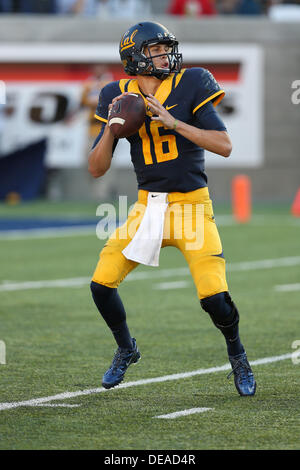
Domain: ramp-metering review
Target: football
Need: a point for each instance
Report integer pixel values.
(127, 115)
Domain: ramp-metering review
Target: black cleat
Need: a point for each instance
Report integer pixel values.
(121, 361)
(243, 375)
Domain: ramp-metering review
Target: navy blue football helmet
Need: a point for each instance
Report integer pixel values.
(132, 50)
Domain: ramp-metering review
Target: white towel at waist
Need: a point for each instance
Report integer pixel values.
(145, 246)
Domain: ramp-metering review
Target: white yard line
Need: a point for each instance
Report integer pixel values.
(184, 375)
(152, 273)
(57, 405)
(73, 282)
(287, 287)
(264, 264)
(172, 285)
(178, 414)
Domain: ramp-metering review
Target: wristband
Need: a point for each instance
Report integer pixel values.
(175, 124)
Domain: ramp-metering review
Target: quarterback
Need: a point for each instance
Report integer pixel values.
(167, 154)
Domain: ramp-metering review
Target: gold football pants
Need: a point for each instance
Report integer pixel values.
(189, 226)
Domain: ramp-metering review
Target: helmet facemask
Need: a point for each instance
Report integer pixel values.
(173, 57)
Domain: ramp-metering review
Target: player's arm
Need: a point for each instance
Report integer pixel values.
(103, 148)
(101, 154)
(212, 140)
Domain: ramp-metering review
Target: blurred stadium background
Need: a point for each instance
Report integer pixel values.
(53, 64)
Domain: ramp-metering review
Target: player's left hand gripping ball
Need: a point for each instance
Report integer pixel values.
(127, 115)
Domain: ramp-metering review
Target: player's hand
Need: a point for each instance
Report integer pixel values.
(116, 98)
(161, 114)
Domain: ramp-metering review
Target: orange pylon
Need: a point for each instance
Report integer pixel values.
(295, 209)
(241, 198)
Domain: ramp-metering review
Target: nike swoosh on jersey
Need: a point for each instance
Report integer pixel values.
(170, 107)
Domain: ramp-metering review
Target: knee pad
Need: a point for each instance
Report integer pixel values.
(108, 303)
(100, 292)
(103, 297)
(221, 309)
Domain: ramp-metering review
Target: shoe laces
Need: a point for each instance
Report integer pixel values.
(119, 357)
(242, 370)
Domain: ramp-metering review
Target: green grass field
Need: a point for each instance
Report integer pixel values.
(56, 342)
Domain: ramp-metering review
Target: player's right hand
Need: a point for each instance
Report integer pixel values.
(116, 98)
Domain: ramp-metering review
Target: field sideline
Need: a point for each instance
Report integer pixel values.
(57, 346)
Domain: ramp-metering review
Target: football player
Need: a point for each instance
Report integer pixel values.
(168, 158)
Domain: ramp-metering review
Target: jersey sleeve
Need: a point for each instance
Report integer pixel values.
(207, 118)
(110, 91)
(207, 88)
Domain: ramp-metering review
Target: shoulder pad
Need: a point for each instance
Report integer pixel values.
(206, 87)
(205, 79)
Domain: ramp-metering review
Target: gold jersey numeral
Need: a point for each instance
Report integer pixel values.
(158, 141)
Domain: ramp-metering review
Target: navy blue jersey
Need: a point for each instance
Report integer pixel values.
(163, 160)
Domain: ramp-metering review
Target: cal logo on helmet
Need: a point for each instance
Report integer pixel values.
(128, 41)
